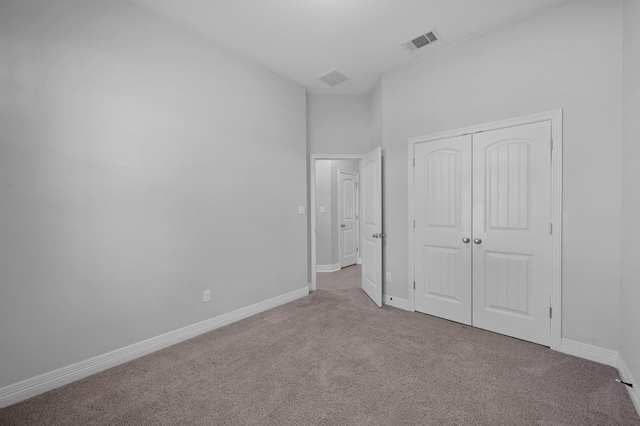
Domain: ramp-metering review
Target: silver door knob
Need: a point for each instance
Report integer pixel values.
(466, 240)
(343, 225)
(477, 240)
(375, 235)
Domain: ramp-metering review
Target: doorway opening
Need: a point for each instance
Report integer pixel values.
(347, 278)
(366, 236)
(335, 216)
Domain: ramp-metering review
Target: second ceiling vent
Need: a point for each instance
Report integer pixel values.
(421, 41)
(333, 77)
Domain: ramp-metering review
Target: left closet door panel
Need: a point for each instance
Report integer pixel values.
(443, 228)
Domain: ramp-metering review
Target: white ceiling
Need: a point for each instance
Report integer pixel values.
(302, 39)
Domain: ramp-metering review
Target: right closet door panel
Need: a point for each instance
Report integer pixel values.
(511, 231)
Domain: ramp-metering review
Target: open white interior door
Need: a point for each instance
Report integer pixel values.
(371, 224)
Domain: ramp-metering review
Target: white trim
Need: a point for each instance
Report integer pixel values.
(607, 357)
(396, 302)
(556, 205)
(556, 220)
(494, 125)
(634, 392)
(328, 268)
(411, 172)
(28, 388)
(590, 352)
(312, 202)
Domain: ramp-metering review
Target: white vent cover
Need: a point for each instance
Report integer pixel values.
(421, 41)
(333, 77)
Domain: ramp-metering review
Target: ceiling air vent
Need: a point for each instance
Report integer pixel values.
(333, 77)
(421, 41)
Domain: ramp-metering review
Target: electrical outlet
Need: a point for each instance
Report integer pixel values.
(207, 296)
(388, 276)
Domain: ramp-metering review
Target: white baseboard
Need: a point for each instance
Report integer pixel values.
(328, 268)
(396, 302)
(634, 392)
(359, 261)
(24, 389)
(590, 352)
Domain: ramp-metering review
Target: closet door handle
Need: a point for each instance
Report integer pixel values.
(477, 240)
(466, 240)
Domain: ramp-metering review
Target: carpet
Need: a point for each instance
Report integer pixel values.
(334, 358)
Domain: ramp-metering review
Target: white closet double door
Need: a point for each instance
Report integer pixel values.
(482, 230)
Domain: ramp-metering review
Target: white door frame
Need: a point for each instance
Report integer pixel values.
(312, 203)
(555, 117)
(357, 213)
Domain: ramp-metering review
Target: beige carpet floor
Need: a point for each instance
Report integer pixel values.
(344, 279)
(334, 358)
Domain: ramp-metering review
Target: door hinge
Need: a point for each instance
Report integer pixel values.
(551, 228)
(414, 224)
(414, 285)
(550, 312)
(357, 248)
(551, 144)
(414, 162)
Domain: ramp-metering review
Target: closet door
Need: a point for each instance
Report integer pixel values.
(443, 228)
(511, 231)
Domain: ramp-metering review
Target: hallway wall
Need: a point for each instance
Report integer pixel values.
(327, 222)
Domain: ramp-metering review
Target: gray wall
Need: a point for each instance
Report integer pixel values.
(630, 288)
(140, 164)
(339, 124)
(377, 115)
(535, 64)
